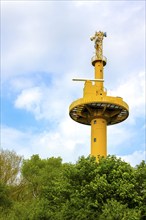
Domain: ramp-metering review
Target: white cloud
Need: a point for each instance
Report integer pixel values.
(54, 36)
(49, 102)
(135, 158)
(30, 100)
(119, 136)
(20, 83)
(13, 139)
(68, 141)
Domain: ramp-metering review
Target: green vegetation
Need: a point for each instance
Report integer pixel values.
(48, 189)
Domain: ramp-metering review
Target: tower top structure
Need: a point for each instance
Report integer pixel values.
(98, 45)
(96, 108)
(98, 38)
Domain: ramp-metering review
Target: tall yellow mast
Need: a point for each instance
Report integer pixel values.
(96, 108)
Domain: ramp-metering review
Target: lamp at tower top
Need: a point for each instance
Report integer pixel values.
(98, 39)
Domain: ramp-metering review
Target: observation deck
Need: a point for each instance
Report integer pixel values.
(113, 109)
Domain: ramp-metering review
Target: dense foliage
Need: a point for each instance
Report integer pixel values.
(48, 189)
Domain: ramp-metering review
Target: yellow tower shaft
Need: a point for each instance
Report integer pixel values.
(98, 137)
(98, 125)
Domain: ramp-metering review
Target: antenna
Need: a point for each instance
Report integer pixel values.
(84, 80)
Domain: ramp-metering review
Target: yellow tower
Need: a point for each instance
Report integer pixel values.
(96, 108)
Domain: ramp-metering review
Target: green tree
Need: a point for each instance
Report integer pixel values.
(44, 178)
(49, 189)
(10, 164)
(93, 184)
(113, 210)
(5, 199)
(140, 187)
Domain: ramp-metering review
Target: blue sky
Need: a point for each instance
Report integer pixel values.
(44, 44)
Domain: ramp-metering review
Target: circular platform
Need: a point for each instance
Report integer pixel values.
(113, 109)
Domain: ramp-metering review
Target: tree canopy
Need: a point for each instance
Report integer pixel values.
(49, 189)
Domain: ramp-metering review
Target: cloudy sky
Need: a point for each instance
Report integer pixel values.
(44, 44)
